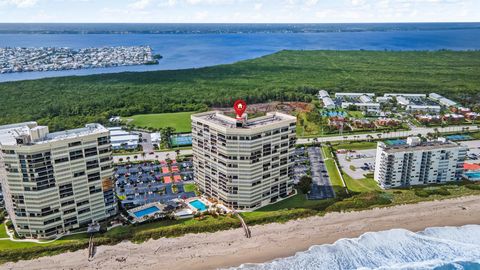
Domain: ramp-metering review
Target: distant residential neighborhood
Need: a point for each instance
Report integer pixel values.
(19, 59)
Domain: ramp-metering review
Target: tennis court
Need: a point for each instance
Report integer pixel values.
(167, 179)
(181, 140)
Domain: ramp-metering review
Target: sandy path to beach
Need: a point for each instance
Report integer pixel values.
(231, 248)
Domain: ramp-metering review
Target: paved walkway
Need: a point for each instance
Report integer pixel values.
(11, 237)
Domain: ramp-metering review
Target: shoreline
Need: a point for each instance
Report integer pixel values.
(230, 248)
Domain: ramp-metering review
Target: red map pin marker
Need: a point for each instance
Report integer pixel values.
(240, 106)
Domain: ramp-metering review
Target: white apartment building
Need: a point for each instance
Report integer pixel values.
(363, 101)
(442, 100)
(55, 182)
(418, 163)
(244, 164)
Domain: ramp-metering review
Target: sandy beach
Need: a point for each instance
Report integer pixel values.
(231, 248)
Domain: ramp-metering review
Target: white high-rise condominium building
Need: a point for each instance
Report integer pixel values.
(244, 164)
(418, 163)
(55, 182)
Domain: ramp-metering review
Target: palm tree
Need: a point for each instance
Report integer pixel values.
(135, 157)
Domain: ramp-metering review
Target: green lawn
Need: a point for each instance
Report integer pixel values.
(7, 244)
(333, 173)
(354, 145)
(356, 114)
(297, 201)
(361, 185)
(180, 121)
(189, 187)
(3, 233)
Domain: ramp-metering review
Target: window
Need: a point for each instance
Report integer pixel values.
(72, 144)
(76, 155)
(61, 160)
(78, 174)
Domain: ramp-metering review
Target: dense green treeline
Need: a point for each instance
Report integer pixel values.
(288, 75)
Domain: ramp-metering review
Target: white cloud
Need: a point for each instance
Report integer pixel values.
(358, 2)
(210, 2)
(258, 6)
(20, 3)
(201, 15)
(310, 3)
(140, 4)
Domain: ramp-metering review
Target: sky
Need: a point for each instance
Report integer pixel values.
(239, 11)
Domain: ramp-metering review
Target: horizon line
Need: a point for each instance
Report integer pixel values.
(367, 22)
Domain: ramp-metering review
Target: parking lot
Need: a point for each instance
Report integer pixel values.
(362, 160)
(474, 151)
(321, 186)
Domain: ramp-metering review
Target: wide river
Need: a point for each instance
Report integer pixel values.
(182, 51)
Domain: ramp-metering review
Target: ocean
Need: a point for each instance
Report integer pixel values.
(439, 248)
(200, 45)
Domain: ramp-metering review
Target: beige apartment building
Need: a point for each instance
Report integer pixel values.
(246, 163)
(55, 182)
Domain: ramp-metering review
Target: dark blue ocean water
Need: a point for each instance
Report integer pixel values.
(212, 45)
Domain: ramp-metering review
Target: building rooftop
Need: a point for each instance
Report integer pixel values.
(219, 118)
(32, 133)
(414, 143)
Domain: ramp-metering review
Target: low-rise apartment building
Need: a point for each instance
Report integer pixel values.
(56, 182)
(244, 163)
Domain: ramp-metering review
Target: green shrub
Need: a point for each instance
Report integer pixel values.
(426, 192)
(362, 201)
(473, 186)
(207, 225)
(279, 216)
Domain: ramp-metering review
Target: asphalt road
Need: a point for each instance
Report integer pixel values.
(321, 186)
(413, 132)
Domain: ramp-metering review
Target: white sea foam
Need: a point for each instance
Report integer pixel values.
(433, 248)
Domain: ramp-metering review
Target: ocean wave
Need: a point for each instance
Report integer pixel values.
(441, 248)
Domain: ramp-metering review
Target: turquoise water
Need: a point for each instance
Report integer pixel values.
(396, 142)
(459, 137)
(146, 211)
(199, 205)
(473, 175)
(335, 114)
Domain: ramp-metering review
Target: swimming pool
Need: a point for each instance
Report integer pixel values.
(334, 114)
(146, 211)
(200, 206)
(473, 175)
(459, 137)
(396, 142)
